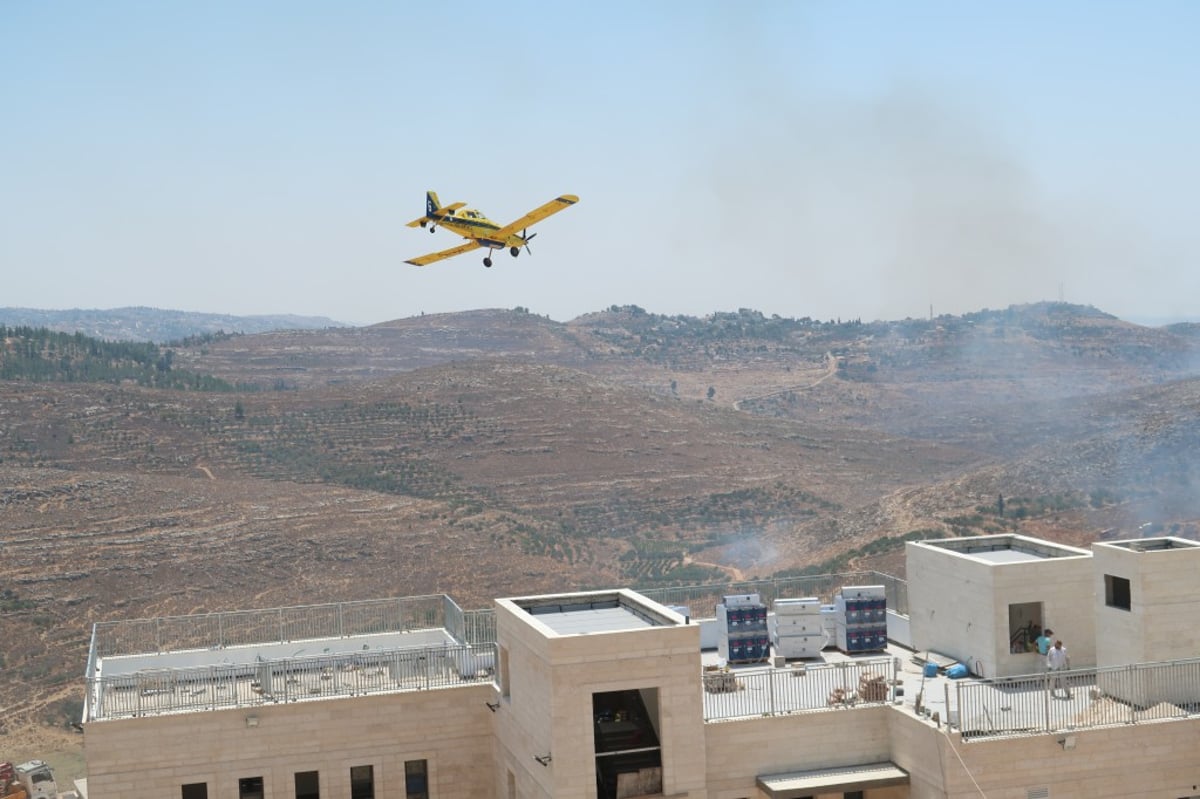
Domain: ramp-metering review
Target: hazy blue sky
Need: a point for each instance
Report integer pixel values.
(835, 159)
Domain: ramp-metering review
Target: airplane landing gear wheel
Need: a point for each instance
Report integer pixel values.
(487, 262)
(515, 251)
(432, 228)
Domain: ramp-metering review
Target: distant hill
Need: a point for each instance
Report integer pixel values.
(154, 324)
(39, 355)
(497, 453)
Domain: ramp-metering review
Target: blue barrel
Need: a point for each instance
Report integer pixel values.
(931, 669)
(957, 671)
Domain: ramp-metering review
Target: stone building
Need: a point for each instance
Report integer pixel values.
(611, 694)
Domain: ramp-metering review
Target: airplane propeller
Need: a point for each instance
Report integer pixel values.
(515, 251)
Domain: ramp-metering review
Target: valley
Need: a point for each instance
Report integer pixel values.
(496, 452)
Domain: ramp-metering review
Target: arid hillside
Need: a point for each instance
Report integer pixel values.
(497, 452)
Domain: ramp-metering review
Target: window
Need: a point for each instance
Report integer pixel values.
(195, 790)
(250, 788)
(1116, 592)
(852, 795)
(416, 779)
(308, 785)
(362, 782)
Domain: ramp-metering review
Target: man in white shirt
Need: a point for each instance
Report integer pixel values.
(1057, 660)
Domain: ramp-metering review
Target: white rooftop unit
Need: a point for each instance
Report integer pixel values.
(797, 629)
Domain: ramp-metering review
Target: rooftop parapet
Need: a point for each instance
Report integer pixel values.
(999, 549)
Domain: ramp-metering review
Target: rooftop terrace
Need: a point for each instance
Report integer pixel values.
(978, 709)
(245, 658)
(250, 658)
(216, 660)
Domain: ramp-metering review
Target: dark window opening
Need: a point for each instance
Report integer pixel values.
(416, 779)
(250, 788)
(308, 785)
(622, 721)
(1024, 626)
(1116, 592)
(195, 790)
(362, 782)
(628, 753)
(852, 795)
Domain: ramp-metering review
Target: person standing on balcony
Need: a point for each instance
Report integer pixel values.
(1058, 661)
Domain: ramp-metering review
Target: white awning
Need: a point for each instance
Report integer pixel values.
(796, 784)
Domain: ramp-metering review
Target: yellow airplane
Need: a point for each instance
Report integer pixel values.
(481, 231)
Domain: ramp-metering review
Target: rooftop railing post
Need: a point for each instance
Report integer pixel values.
(960, 703)
(1046, 702)
(1131, 691)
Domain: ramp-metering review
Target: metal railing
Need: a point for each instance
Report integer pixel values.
(701, 600)
(738, 694)
(274, 625)
(1078, 699)
(156, 691)
(340, 619)
(470, 626)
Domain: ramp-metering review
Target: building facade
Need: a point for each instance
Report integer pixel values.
(610, 695)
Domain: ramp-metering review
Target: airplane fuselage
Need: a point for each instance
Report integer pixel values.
(474, 225)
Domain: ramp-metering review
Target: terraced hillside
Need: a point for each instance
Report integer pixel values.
(498, 452)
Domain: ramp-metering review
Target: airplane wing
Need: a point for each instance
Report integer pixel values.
(425, 260)
(535, 216)
(445, 211)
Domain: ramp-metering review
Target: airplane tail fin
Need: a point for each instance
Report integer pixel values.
(431, 207)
